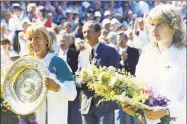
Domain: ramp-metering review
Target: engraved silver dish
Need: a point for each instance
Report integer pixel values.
(23, 87)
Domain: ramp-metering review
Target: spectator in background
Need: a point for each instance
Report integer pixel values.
(130, 56)
(16, 19)
(71, 57)
(144, 7)
(121, 28)
(42, 18)
(5, 6)
(107, 14)
(6, 16)
(83, 58)
(78, 31)
(97, 16)
(50, 17)
(133, 40)
(103, 36)
(72, 41)
(106, 23)
(59, 15)
(15, 25)
(3, 31)
(124, 9)
(68, 27)
(22, 39)
(112, 40)
(55, 45)
(69, 15)
(97, 6)
(89, 16)
(5, 44)
(62, 21)
(140, 31)
(31, 9)
(130, 16)
(84, 10)
(76, 15)
(114, 24)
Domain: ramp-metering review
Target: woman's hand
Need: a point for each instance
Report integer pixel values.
(155, 113)
(6, 105)
(129, 109)
(51, 84)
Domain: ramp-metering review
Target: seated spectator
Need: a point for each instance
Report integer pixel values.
(68, 27)
(22, 39)
(5, 44)
(41, 17)
(31, 9)
(107, 14)
(6, 15)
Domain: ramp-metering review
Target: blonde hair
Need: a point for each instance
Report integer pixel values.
(34, 29)
(170, 16)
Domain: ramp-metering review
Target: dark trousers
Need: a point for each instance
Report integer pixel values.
(98, 118)
(125, 118)
(74, 114)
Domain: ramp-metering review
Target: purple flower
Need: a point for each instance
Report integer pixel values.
(28, 119)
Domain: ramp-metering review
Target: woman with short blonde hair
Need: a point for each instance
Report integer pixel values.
(34, 29)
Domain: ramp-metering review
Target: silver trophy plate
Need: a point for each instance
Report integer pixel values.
(23, 87)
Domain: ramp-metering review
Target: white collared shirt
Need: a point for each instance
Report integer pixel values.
(120, 52)
(95, 48)
(63, 54)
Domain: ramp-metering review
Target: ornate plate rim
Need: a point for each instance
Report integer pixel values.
(6, 75)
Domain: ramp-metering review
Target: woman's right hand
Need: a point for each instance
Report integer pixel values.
(130, 109)
(6, 105)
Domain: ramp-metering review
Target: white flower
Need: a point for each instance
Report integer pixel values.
(113, 81)
(100, 76)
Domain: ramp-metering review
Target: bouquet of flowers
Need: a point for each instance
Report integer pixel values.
(119, 86)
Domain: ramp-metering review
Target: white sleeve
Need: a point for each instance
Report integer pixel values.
(68, 90)
(11, 25)
(178, 108)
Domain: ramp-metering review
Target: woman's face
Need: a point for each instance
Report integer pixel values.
(161, 32)
(38, 44)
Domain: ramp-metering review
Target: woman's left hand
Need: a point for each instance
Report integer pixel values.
(51, 84)
(156, 113)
